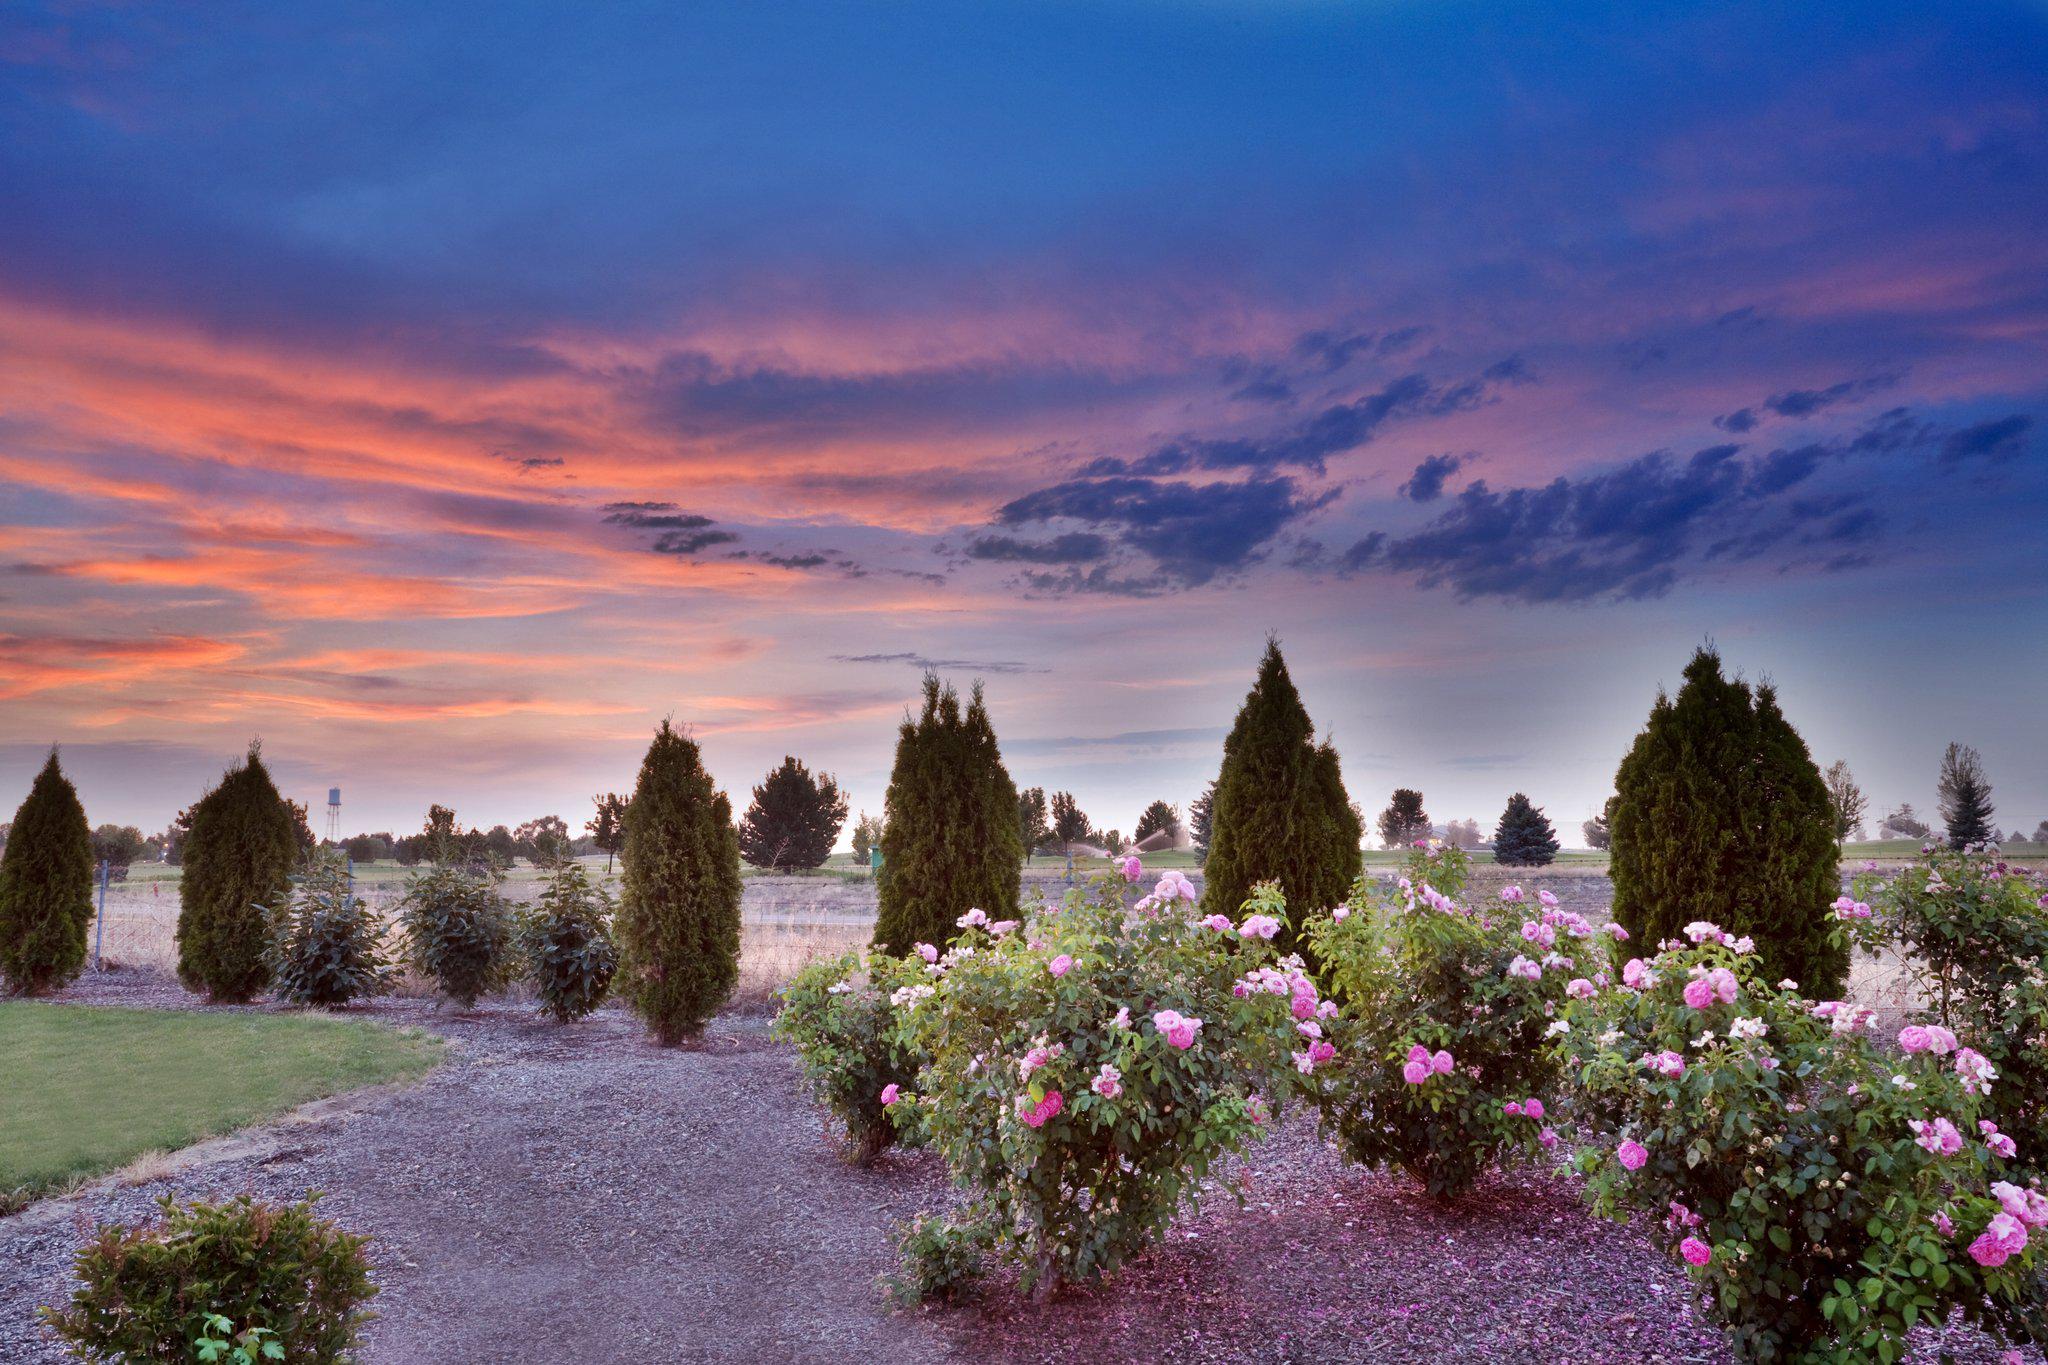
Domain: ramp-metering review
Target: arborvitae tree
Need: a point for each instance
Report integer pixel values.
(1157, 817)
(1848, 800)
(46, 876)
(1280, 810)
(1069, 823)
(794, 820)
(238, 859)
(1202, 821)
(1721, 815)
(951, 842)
(1524, 838)
(679, 907)
(1034, 822)
(1965, 798)
(1404, 820)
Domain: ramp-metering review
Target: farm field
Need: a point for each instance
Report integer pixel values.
(91, 1089)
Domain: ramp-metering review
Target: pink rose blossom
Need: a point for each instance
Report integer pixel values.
(1442, 1063)
(1415, 1073)
(1695, 1251)
(1176, 1028)
(2002, 1237)
(1060, 965)
(889, 1093)
(927, 952)
(1635, 974)
(1915, 1038)
(1533, 1108)
(1322, 1050)
(1131, 867)
(1260, 926)
(1632, 1154)
(1938, 1136)
(1220, 923)
(1548, 1137)
(1511, 894)
(1513, 1107)
(1579, 988)
(1108, 1082)
(1037, 1115)
(1699, 993)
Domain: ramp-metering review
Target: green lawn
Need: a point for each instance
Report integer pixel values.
(89, 1089)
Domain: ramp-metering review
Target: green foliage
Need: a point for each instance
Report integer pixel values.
(794, 819)
(458, 930)
(118, 846)
(1965, 798)
(951, 842)
(1972, 930)
(608, 826)
(1202, 822)
(1034, 822)
(1070, 823)
(840, 1017)
(235, 1272)
(1404, 820)
(567, 943)
(326, 943)
(219, 1341)
(1781, 1141)
(1281, 814)
(46, 881)
(1414, 974)
(943, 1258)
(1721, 815)
(679, 915)
(1157, 817)
(1524, 837)
(1078, 1114)
(867, 837)
(238, 858)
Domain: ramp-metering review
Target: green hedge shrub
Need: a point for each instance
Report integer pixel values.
(458, 931)
(840, 1018)
(237, 858)
(326, 943)
(566, 940)
(46, 879)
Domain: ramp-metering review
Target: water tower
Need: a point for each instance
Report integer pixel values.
(334, 815)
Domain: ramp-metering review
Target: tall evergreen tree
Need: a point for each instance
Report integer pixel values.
(1280, 811)
(951, 840)
(794, 819)
(239, 858)
(1154, 818)
(1524, 837)
(1404, 820)
(1202, 821)
(46, 876)
(679, 905)
(1034, 820)
(1720, 815)
(1965, 798)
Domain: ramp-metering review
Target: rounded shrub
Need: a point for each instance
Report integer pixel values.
(566, 941)
(1972, 930)
(326, 943)
(240, 1270)
(1827, 1192)
(458, 931)
(1086, 1074)
(1443, 1016)
(46, 878)
(238, 858)
(840, 1016)
(679, 913)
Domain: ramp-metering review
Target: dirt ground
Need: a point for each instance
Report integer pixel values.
(575, 1193)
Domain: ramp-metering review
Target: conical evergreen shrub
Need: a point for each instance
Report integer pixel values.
(951, 841)
(1280, 812)
(1524, 838)
(679, 907)
(1721, 815)
(238, 858)
(46, 879)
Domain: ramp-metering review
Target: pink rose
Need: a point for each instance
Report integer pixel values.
(1060, 965)
(1131, 867)
(1915, 1038)
(927, 952)
(1176, 1028)
(1513, 1107)
(1699, 993)
(1037, 1115)
(1632, 1154)
(1322, 1050)
(1415, 1073)
(1442, 1063)
(1108, 1082)
(1695, 1251)
(889, 1093)
(1548, 1137)
(1533, 1108)
(1579, 988)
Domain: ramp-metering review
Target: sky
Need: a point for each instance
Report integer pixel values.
(446, 394)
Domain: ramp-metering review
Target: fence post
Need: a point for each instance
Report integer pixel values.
(99, 935)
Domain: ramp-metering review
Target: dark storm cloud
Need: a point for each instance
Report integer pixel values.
(653, 516)
(1191, 531)
(1076, 547)
(1993, 442)
(1426, 484)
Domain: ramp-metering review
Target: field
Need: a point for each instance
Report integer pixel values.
(89, 1090)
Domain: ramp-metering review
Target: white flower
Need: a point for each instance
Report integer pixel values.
(838, 988)
(1704, 1039)
(1557, 1026)
(1902, 1083)
(1748, 1028)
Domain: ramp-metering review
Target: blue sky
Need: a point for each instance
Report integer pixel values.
(447, 393)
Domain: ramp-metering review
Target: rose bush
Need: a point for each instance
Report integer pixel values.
(1086, 1071)
(1973, 929)
(840, 1017)
(1442, 1016)
(1828, 1191)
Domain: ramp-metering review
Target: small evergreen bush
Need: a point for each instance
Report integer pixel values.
(156, 1291)
(952, 838)
(679, 916)
(458, 931)
(1829, 1192)
(1524, 837)
(238, 858)
(794, 819)
(1280, 812)
(1442, 1016)
(840, 1016)
(566, 940)
(326, 943)
(46, 880)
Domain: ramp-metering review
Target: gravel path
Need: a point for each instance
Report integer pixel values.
(573, 1193)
